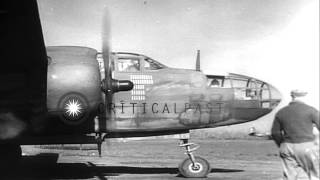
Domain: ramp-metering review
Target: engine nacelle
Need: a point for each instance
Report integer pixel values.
(74, 93)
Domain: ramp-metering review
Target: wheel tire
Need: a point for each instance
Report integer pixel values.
(202, 168)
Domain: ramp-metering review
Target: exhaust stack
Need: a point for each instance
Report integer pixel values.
(198, 61)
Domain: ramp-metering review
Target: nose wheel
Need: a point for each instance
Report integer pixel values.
(193, 166)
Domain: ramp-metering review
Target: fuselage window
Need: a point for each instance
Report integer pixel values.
(215, 83)
(150, 64)
(240, 89)
(239, 83)
(128, 65)
(227, 83)
(253, 88)
(219, 82)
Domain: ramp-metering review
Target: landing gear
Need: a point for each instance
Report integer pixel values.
(99, 139)
(193, 166)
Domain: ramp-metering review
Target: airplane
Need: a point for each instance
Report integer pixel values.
(77, 95)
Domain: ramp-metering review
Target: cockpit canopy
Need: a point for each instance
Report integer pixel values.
(131, 62)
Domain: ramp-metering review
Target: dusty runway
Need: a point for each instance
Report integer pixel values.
(149, 159)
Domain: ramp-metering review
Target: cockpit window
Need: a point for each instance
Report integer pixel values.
(215, 83)
(218, 81)
(128, 65)
(150, 64)
(239, 83)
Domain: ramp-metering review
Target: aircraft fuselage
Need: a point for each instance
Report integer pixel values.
(163, 99)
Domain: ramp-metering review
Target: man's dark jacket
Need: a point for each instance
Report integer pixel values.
(294, 123)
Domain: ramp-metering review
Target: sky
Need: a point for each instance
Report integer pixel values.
(275, 41)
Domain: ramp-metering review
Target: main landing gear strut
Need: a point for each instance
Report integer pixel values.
(193, 166)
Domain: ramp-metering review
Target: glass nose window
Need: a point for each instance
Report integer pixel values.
(250, 89)
(240, 89)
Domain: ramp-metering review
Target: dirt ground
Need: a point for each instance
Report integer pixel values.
(149, 159)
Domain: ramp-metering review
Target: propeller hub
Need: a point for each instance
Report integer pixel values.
(116, 85)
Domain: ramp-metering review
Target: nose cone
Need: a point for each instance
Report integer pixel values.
(253, 98)
(258, 102)
(270, 98)
(274, 98)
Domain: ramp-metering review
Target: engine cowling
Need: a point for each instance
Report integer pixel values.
(74, 93)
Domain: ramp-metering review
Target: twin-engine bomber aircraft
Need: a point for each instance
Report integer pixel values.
(75, 95)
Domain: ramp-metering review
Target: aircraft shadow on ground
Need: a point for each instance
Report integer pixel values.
(45, 166)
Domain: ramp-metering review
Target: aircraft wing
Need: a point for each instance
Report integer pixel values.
(23, 59)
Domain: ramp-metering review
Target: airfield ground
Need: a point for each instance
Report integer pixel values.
(255, 159)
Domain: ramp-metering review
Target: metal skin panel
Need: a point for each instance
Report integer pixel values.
(163, 101)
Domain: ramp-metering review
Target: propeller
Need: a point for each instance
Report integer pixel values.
(106, 48)
(108, 84)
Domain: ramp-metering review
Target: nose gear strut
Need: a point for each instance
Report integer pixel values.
(193, 166)
(189, 150)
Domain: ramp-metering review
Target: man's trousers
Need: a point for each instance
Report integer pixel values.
(299, 157)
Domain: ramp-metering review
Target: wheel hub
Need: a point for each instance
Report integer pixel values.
(196, 167)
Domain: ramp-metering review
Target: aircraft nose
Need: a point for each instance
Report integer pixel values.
(248, 89)
(253, 102)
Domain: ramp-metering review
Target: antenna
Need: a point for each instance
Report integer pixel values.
(198, 61)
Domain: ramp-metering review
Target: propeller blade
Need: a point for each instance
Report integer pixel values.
(106, 43)
(110, 85)
(106, 82)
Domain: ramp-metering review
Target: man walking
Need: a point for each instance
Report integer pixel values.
(292, 131)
